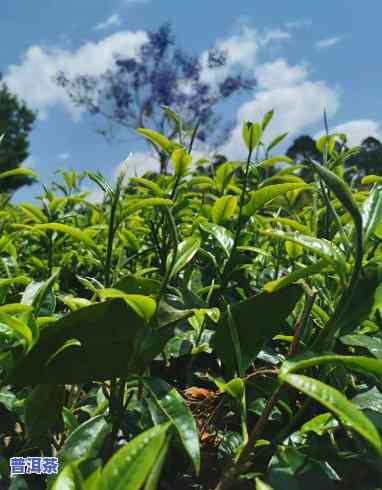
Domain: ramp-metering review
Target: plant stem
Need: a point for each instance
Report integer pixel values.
(229, 479)
(50, 252)
(240, 217)
(110, 239)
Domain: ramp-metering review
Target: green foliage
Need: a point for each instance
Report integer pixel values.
(196, 331)
(16, 122)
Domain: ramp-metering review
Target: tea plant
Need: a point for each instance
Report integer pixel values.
(211, 329)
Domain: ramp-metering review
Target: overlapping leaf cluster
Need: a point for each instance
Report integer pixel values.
(213, 328)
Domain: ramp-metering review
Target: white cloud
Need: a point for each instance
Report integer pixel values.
(138, 163)
(241, 52)
(32, 78)
(279, 73)
(329, 42)
(273, 35)
(357, 130)
(113, 21)
(298, 102)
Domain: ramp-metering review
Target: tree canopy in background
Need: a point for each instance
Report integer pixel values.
(367, 161)
(132, 94)
(16, 122)
(302, 148)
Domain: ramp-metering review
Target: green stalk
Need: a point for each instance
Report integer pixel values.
(50, 252)
(174, 239)
(240, 217)
(110, 240)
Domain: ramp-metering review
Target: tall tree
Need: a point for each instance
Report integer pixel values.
(133, 93)
(369, 159)
(16, 122)
(302, 148)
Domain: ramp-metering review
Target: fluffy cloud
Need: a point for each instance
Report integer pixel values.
(298, 102)
(113, 21)
(357, 130)
(328, 42)
(279, 74)
(241, 51)
(32, 78)
(137, 163)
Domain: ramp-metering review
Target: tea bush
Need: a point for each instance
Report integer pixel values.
(215, 328)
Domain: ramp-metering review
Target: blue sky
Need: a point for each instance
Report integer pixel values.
(305, 55)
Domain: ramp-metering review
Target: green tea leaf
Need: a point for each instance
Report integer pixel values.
(20, 328)
(369, 400)
(14, 280)
(257, 320)
(143, 305)
(185, 253)
(252, 133)
(267, 119)
(260, 485)
(133, 284)
(149, 184)
(34, 213)
(157, 138)
(85, 441)
(224, 175)
(16, 172)
(68, 230)
(67, 345)
(276, 141)
(43, 409)
(221, 235)
(333, 399)
(181, 161)
(223, 209)
(319, 246)
(258, 199)
(299, 273)
(40, 295)
(154, 476)
(345, 196)
(69, 479)
(15, 308)
(102, 183)
(320, 425)
(372, 212)
(131, 466)
(174, 407)
(372, 344)
(108, 333)
(309, 359)
(139, 204)
(234, 388)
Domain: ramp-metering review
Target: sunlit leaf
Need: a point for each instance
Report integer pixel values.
(131, 465)
(335, 401)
